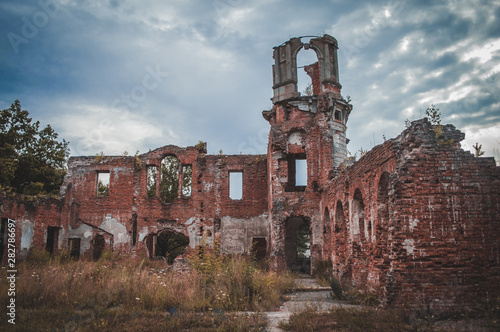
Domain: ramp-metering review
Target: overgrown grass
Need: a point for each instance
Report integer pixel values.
(349, 319)
(235, 282)
(373, 319)
(342, 291)
(117, 292)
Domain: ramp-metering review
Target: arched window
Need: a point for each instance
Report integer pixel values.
(326, 221)
(358, 214)
(339, 217)
(169, 184)
(305, 58)
(383, 199)
(383, 192)
(327, 234)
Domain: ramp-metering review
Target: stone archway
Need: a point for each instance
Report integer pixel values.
(298, 245)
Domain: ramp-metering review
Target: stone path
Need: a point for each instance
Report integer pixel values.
(307, 294)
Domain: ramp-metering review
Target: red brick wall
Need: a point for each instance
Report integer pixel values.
(435, 241)
(209, 200)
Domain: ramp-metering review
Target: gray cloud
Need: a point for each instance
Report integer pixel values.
(396, 58)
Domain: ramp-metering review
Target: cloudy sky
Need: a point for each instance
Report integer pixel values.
(128, 75)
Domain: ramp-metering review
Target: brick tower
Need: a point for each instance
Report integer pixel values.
(306, 142)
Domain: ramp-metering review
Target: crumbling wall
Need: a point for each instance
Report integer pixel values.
(415, 220)
(33, 216)
(428, 236)
(305, 130)
(135, 216)
(297, 134)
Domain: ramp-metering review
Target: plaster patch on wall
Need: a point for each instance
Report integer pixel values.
(118, 230)
(413, 223)
(295, 138)
(190, 221)
(409, 246)
(117, 171)
(143, 233)
(207, 186)
(237, 233)
(192, 233)
(27, 228)
(84, 233)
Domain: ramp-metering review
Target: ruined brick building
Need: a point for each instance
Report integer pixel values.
(416, 219)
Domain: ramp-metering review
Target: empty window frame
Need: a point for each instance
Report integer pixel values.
(236, 185)
(358, 214)
(151, 181)
(169, 179)
(338, 115)
(300, 172)
(297, 172)
(187, 174)
(102, 187)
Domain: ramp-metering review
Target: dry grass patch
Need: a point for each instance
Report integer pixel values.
(121, 293)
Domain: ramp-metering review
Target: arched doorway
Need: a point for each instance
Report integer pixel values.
(170, 245)
(358, 215)
(298, 245)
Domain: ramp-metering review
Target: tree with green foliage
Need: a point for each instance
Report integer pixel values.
(32, 160)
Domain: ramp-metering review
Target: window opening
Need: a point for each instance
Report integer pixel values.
(326, 221)
(300, 172)
(304, 81)
(102, 184)
(236, 185)
(383, 197)
(338, 116)
(187, 173)
(358, 211)
(339, 217)
(151, 181)
(169, 179)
